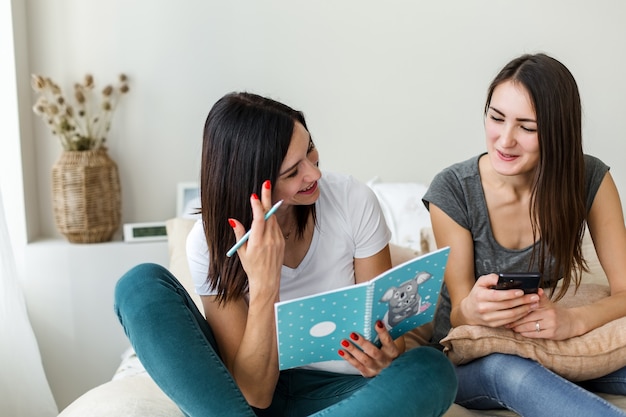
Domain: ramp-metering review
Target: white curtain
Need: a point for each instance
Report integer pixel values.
(24, 389)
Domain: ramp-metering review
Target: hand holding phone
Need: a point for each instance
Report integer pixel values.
(527, 281)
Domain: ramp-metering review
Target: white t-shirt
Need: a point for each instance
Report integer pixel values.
(350, 224)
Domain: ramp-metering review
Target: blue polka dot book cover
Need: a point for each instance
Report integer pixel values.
(310, 329)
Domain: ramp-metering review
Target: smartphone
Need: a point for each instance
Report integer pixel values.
(527, 281)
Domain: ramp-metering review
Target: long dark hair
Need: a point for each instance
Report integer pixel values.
(558, 210)
(246, 138)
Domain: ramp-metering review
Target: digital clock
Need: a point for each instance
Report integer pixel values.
(142, 232)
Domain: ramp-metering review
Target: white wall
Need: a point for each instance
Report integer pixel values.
(392, 89)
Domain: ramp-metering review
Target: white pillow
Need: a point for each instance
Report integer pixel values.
(136, 396)
(402, 206)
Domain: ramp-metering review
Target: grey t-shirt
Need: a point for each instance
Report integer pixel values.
(457, 190)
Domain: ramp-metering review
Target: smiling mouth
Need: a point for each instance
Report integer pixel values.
(507, 156)
(309, 189)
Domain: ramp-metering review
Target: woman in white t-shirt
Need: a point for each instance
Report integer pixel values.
(328, 233)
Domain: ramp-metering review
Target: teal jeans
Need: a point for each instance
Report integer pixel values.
(176, 346)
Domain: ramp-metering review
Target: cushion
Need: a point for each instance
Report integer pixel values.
(135, 396)
(588, 356)
(177, 230)
(405, 214)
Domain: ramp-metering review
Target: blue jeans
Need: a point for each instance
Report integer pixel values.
(531, 390)
(176, 346)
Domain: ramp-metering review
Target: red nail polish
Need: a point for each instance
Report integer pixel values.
(341, 352)
(354, 336)
(267, 184)
(256, 197)
(345, 343)
(232, 223)
(379, 324)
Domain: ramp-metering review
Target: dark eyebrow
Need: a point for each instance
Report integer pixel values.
(518, 119)
(291, 168)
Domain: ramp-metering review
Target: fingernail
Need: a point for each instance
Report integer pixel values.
(354, 336)
(379, 324)
(345, 343)
(267, 184)
(341, 352)
(256, 197)
(232, 223)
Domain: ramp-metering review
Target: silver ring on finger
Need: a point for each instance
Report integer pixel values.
(537, 326)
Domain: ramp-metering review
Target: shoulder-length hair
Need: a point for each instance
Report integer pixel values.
(245, 140)
(558, 199)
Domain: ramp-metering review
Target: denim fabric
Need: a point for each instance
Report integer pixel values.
(531, 390)
(176, 346)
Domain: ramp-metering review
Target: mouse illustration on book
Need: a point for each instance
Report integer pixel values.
(405, 300)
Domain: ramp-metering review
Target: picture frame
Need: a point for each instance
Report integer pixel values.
(188, 200)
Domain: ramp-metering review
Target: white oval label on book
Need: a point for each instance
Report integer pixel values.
(323, 329)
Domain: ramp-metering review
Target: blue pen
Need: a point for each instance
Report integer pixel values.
(245, 237)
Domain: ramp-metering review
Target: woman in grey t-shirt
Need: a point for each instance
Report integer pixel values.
(523, 206)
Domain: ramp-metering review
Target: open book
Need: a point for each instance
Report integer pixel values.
(310, 329)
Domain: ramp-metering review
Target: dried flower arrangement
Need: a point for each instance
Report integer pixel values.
(85, 125)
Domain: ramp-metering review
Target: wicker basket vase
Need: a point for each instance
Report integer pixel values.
(86, 196)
